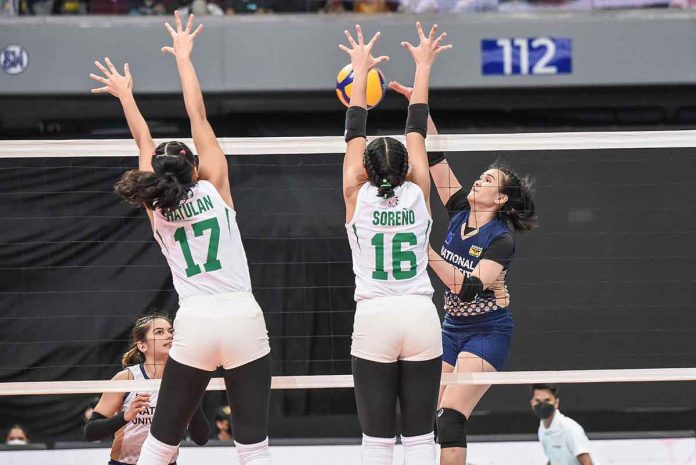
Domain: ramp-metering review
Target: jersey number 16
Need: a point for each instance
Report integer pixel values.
(398, 256)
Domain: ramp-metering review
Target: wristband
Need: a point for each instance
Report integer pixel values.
(417, 120)
(356, 123)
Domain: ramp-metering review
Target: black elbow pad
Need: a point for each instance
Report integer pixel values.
(471, 287)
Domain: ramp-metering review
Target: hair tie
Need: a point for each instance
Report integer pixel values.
(182, 152)
(385, 183)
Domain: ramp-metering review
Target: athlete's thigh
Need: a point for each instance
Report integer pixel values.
(248, 392)
(181, 391)
(446, 368)
(376, 392)
(464, 397)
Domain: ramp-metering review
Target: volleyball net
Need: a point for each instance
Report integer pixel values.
(603, 292)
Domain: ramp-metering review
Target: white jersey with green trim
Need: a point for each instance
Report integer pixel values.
(389, 242)
(202, 245)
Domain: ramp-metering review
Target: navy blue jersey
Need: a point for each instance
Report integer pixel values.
(464, 251)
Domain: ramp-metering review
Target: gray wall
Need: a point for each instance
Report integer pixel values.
(300, 53)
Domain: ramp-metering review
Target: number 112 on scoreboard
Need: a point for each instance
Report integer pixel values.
(537, 56)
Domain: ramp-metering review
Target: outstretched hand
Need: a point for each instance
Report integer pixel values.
(360, 52)
(182, 38)
(401, 89)
(114, 83)
(429, 48)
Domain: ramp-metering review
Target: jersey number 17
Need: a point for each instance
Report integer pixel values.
(212, 263)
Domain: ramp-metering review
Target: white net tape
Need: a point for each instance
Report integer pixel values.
(333, 144)
(346, 381)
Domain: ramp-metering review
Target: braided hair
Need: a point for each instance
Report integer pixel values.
(386, 163)
(519, 211)
(173, 164)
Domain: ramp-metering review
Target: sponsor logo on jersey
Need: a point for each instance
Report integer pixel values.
(392, 202)
(475, 251)
(14, 59)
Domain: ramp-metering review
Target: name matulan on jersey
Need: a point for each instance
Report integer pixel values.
(191, 209)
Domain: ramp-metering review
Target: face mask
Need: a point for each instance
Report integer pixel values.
(543, 410)
(17, 442)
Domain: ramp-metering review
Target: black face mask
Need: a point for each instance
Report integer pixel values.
(543, 410)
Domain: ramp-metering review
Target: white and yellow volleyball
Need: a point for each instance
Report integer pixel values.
(376, 86)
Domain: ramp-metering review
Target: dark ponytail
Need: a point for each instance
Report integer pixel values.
(173, 164)
(519, 211)
(386, 163)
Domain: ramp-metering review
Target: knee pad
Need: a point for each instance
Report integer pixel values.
(451, 428)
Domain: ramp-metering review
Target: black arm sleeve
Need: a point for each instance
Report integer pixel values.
(457, 202)
(435, 157)
(99, 427)
(500, 250)
(199, 428)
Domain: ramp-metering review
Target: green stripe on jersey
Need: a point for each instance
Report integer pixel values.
(161, 240)
(229, 228)
(427, 230)
(355, 231)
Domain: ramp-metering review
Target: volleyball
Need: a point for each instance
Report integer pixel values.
(376, 86)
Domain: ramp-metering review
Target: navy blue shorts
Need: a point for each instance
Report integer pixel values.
(487, 336)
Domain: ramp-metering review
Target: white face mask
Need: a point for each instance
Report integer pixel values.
(17, 442)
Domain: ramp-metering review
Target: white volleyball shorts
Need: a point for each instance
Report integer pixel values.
(222, 330)
(387, 329)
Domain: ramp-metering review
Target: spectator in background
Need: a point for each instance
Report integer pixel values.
(447, 6)
(223, 429)
(151, 8)
(200, 8)
(294, 6)
(335, 6)
(17, 436)
(419, 6)
(563, 439)
(375, 6)
(232, 7)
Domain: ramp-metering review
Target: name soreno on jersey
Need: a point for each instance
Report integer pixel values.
(191, 209)
(464, 265)
(393, 218)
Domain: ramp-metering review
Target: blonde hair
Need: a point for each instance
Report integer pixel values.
(142, 325)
